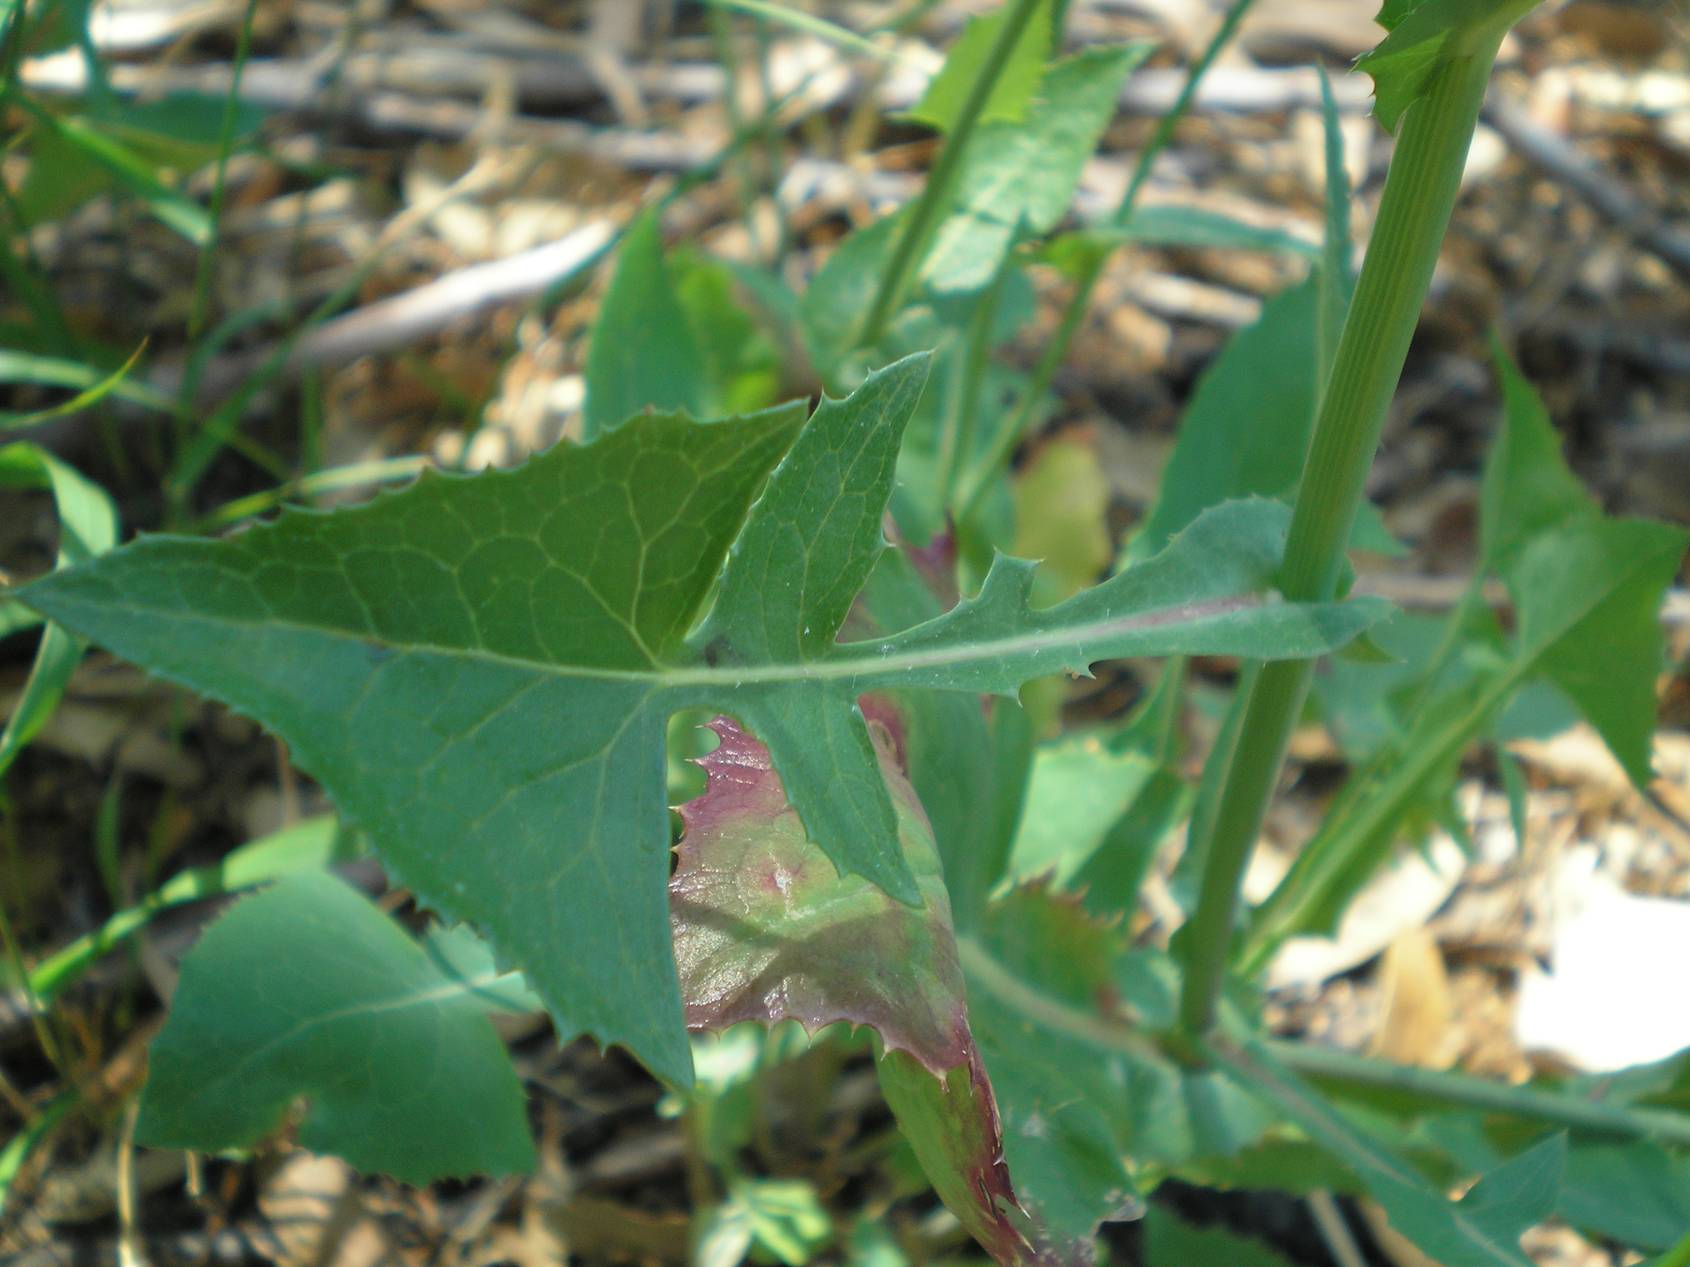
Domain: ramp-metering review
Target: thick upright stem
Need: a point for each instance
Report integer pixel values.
(912, 242)
(1414, 212)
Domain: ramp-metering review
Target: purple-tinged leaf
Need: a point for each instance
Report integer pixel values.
(952, 1124)
(766, 929)
(935, 564)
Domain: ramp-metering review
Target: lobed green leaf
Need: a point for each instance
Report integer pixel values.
(1587, 588)
(471, 667)
(480, 669)
(1208, 593)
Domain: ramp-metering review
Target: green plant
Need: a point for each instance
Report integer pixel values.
(484, 672)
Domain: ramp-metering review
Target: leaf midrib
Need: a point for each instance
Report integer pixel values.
(422, 996)
(856, 660)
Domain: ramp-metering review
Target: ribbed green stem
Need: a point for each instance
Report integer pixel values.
(1432, 1086)
(1414, 213)
(924, 216)
(1439, 1086)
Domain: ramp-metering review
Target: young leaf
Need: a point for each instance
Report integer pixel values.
(480, 669)
(1528, 489)
(1589, 598)
(1587, 592)
(780, 1219)
(1079, 790)
(83, 156)
(1020, 177)
(87, 527)
(1109, 881)
(643, 354)
(307, 845)
(948, 90)
(742, 363)
(1423, 34)
(308, 990)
